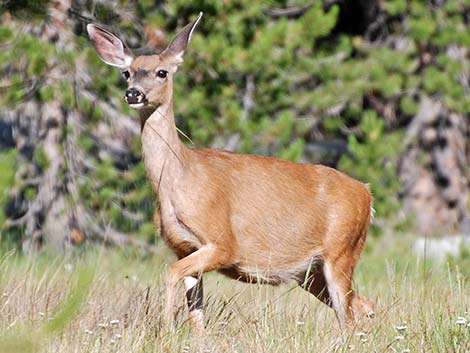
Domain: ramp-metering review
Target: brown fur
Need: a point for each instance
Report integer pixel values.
(252, 218)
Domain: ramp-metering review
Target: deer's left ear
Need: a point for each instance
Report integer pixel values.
(178, 45)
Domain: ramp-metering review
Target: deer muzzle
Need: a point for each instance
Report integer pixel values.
(135, 98)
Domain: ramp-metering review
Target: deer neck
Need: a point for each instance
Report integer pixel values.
(144, 115)
(164, 153)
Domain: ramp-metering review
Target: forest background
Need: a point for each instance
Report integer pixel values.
(377, 89)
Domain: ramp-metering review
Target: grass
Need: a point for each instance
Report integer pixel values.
(104, 300)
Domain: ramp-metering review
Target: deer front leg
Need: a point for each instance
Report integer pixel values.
(194, 296)
(207, 258)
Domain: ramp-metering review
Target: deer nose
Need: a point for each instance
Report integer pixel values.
(134, 96)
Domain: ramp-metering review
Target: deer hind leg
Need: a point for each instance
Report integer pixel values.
(349, 306)
(194, 296)
(205, 259)
(315, 284)
(361, 306)
(338, 276)
(331, 282)
(332, 287)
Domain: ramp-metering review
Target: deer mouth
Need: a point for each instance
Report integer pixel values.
(135, 98)
(138, 105)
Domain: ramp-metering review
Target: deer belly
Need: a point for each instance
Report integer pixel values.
(273, 273)
(249, 276)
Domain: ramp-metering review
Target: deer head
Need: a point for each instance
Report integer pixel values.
(149, 77)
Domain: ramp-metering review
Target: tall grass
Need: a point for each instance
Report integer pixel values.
(105, 300)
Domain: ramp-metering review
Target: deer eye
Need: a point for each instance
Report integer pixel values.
(162, 73)
(126, 74)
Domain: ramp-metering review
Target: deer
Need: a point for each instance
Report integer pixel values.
(256, 219)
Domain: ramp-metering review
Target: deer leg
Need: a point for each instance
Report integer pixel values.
(362, 307)
(316, 285)
(207, 258)
(194, 296)
(338, 276)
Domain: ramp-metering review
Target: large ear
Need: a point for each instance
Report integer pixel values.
(178, 45)
(109, 47)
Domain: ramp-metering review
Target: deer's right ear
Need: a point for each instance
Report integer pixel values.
(109, 47)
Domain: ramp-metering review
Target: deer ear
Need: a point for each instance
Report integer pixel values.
(109, 47)
(178, 45)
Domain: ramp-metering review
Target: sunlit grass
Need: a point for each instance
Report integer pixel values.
(104, 300)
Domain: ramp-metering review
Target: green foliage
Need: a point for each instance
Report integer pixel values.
(395, 7)
(294, 151)
(276, 84)
(26, 9)
(40, 157)
(373, 160)
(408, 106)
(28, 78)
(7, 166)
(422, 28)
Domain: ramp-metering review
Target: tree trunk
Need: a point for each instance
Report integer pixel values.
(434, 169)
(47, 134)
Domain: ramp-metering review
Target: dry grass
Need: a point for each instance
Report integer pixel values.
(419, 308)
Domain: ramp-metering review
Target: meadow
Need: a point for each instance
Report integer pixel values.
(100, 299)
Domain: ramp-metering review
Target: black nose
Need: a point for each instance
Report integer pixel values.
(133, 96)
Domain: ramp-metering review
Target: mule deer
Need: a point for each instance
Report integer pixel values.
(252, 218)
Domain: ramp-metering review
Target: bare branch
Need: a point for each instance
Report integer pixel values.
(121, 120)
(107, 234)
(289, 12)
